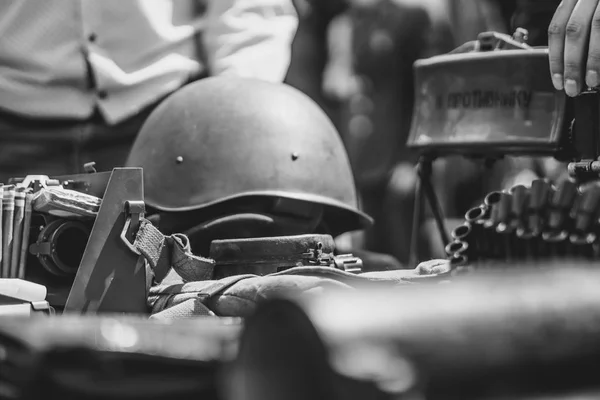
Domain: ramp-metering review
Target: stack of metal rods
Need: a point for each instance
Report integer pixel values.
(532, 224)
(15, 218)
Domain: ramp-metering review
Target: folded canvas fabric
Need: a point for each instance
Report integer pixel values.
(237, 296)
(184, 286)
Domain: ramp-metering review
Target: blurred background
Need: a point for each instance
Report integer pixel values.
(355, 57)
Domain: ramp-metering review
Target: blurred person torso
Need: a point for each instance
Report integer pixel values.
(78, 78)
(388, 37)
(67, 58)
(309, 49)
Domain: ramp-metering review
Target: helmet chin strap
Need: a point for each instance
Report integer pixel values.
(248, 225)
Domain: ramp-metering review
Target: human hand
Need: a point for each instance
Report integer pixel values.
(574, 45)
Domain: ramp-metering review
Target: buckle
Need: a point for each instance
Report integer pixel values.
(343, 262)
(135, 212)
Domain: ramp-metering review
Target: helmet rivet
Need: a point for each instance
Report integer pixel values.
(179, 160)
(295, 156)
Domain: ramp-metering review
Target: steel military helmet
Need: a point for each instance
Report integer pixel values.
(223, 139)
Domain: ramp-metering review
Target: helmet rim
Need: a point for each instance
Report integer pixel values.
(363, 219)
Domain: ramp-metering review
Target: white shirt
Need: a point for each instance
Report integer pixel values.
(137, 50)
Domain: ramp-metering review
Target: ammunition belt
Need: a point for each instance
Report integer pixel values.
(531, 224)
